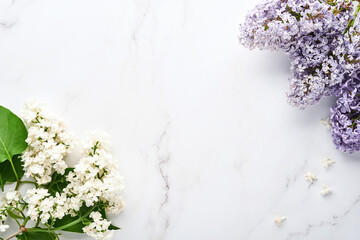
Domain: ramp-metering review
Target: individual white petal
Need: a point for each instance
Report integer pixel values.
(310, 176)
(279, 220)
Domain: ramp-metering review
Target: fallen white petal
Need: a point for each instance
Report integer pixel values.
(326, 162)
(310, 176)
(279, 220)
(325, 190)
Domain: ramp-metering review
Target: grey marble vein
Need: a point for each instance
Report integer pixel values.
(292, 179)
(146, 7)
(164, 158)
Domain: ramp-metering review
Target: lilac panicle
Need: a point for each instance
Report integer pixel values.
(345, 116)
(311, 33)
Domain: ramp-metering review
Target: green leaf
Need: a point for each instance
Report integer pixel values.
(112, 227)
(77, 228)
(103, 215)
(58, 182)
(13, 215)
(7, 174)
(37, 236)
(13, 134)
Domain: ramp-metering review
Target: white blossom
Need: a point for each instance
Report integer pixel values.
(44, 206)
(326, 162)
(11, 198)
(310, 176)
(325, 190)
(95, 180)
(98, 229)
(48, 143)
(34, 197)
(96, 177)
(8, 201)
(279, 220)
(3, 227)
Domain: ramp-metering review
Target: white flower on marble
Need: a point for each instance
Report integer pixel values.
(86, 192)
(325, 190)
(36, 204)
(48, 143)
(96, 177)
(327, 162)
(310, 177)
(11, 198)
(279, 220)
(98, 229)
(94, 180)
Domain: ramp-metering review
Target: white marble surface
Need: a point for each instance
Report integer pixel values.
(200, 126)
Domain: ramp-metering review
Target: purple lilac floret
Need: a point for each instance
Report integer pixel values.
(345, 116)
(316, 36)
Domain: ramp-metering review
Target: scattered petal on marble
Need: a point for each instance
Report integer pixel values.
(327, 162)
(311, 177)
(279, 220)
(325, 190)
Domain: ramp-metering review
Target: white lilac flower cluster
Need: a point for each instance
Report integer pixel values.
(8, 201)
(48, 143)
(94, 180)
(43, 206)
(98, 229)
(322, 40)
(62, 198)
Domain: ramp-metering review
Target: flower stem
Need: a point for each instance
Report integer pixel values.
(25, 221)
(13, 167)
(30, 182)
(18, 182)
(37, 223)
(21, 230)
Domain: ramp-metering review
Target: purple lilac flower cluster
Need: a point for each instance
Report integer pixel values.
(345, 116)
(322, 40)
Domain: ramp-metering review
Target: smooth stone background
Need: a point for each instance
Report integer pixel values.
(200, 126)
